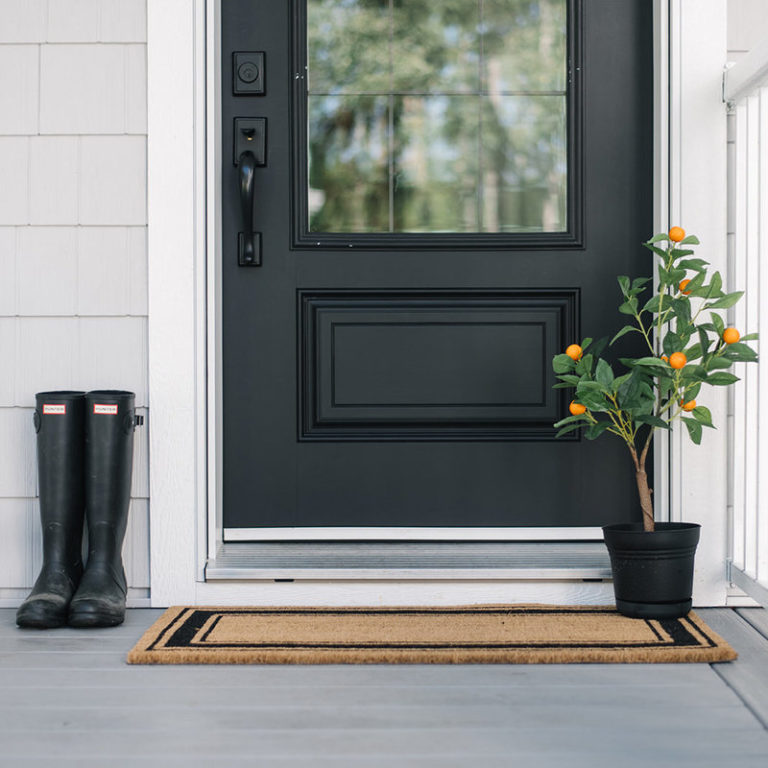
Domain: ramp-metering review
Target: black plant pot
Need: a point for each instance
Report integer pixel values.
(652, 570)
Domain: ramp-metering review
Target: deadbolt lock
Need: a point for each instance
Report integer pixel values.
(248, 73)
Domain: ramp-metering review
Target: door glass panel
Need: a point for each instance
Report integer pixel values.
(445, 116)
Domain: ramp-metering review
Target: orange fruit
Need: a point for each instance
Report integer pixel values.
(676, 234)
(683, 285)
(574, 352)
(731, 335)
(577, 408)
(677, 360)
(689, 406)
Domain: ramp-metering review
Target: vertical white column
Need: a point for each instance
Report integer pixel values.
(698, 203)
(173, 327)
(761, 511)
(739, 318)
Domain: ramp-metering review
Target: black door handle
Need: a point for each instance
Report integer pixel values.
(250, 241)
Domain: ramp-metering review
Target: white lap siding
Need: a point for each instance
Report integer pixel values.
(73, 274)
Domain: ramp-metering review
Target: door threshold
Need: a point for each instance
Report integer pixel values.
(410, 561)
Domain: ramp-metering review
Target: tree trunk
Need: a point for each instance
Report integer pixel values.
(646, 502)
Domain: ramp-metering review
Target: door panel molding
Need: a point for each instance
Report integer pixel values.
(381, 366)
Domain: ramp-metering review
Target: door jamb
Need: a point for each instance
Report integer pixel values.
(184, 289)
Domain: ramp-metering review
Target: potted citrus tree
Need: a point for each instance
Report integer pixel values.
(687, 347)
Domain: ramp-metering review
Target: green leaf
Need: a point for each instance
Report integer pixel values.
(595, 348)
(584, 366)
(657, 251)
(657, 238)
(718, 322)
(721, 379)
(694, 429)
(569, 428)
(715, 287)
(652, 305)
(570, 378)
(562, 363)
(651, 361)
(595, 430)
(676, 275)
(593, 400)
(639, 283)
(740, 353)
(604, 374)
(703, 340)
(624, 330)
(695, 264)
(703, 415)
(690, 240)
(682, 310)
(727, 301)
(623, 284)
(696, 286)
(719, 362)
(571, 420)
(585, 343)
(634, 391)
(654, 421)
(629, 307)
(693, 391)
(750, 337)
(693, 352)
(672, 343)
(678, 253)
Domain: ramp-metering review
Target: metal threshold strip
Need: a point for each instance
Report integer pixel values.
(414, 561)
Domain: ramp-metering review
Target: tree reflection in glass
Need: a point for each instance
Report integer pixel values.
(442, 116)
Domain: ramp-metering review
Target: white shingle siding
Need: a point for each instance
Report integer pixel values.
(73, 255)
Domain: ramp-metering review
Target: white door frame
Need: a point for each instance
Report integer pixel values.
(184, 294)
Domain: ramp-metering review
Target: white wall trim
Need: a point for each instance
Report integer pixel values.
(176, 186)
(689, 190)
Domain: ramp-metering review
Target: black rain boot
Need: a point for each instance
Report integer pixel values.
(109, 423)
(59, 422)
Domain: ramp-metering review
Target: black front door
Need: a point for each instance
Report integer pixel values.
(448, 193)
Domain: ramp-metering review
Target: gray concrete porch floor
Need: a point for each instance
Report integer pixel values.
(69, 699)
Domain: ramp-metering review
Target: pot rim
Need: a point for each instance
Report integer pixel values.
(637, 528)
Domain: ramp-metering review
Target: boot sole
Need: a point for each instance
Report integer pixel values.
(86, 619)
(39, 618)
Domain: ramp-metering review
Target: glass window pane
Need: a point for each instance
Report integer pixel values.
(436, 164)
(443, 116)
(436, 46)
(349, 164)
(525, 164)
(524, 46)
(348, 46)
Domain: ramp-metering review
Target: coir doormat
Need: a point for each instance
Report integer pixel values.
(485, 634)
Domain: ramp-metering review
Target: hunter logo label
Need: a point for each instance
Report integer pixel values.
(54, 409)
(107, 410)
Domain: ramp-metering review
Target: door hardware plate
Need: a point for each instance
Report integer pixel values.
(251, 136)
(248, 73)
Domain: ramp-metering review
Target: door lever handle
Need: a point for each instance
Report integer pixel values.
(250, 241)
(250, 142)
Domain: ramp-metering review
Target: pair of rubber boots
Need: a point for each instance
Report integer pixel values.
(85, 457)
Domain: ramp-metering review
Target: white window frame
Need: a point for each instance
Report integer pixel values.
(184, 303)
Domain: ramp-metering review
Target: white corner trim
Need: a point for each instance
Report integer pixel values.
(698, 202)
(175, 81)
